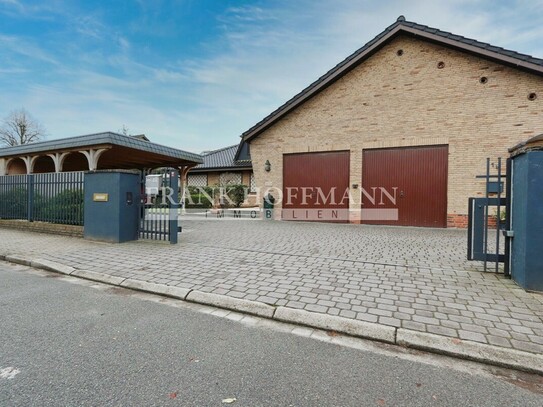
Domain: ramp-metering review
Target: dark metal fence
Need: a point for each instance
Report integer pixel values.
(50, 197)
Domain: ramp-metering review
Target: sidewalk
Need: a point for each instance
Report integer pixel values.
(407, 286)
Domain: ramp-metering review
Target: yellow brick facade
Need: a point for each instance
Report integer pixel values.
(394, 101)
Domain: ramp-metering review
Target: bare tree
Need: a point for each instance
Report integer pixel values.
(20, 127)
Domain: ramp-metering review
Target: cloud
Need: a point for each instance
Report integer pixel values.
(265, 57)
(88, 26)
(252, 60)
(10, 6)
(246, 14)
(18, 45)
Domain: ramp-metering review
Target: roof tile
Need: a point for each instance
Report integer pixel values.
(222, 158)
(96, 139)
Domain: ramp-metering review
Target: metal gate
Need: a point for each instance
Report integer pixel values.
(481, 220)
(159, 205)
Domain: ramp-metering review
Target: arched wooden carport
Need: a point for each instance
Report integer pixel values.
(93, 152)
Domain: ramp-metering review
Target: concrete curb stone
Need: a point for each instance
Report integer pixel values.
(480, 352)
(347, 326)
(236, 304)
(18, 260)
(52, 266)
(99, 277)
(167, 290)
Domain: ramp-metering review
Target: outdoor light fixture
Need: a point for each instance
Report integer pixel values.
(267, 166)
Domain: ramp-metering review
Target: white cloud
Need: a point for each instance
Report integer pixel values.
(17, 45)
(263, 56)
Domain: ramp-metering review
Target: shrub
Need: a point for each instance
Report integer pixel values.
(65, 207)
(13, 203)
(236, 193)
(199, 197)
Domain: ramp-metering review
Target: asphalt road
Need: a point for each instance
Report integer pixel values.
(64, 342)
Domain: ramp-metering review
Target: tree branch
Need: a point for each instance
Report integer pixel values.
(20, 127)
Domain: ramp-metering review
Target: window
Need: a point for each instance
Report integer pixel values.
(197, 180)
(229, 178)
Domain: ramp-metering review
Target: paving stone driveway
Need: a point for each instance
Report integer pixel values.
(404, 277)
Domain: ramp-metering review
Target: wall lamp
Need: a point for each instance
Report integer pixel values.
(267, 166)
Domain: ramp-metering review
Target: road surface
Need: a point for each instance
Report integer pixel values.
(70, 342)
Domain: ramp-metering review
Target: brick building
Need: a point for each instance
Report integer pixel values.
(228, 165)
(404, 123)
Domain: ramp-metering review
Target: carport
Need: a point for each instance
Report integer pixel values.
(91, 152)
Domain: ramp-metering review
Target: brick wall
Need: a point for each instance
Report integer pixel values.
(66, 230)
(395, 101)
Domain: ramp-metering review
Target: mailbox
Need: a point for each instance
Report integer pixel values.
(111, 212)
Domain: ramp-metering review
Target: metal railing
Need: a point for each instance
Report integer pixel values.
(49, 197)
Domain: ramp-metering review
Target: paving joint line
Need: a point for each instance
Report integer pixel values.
(327, 258)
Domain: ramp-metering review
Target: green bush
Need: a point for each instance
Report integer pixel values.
(65, 207)
(199, 197)
(237, 193)
(13, 203)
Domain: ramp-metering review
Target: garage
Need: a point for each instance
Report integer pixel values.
(315, 186)
(411, 182)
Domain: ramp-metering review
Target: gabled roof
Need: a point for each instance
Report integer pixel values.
(223, 158)
(141, 137)
(127, 143)
(401, 26)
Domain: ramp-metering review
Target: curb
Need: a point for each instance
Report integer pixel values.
(352, 327)
(52, 266)
(222, 301)
(488, 354)
(480, 352)
(100, 277)
(167, 290)
(19, 260)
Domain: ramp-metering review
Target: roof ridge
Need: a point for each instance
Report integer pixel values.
(504, 56)
(461, 38)
(58, 139)
(218, 150)
(104, 137)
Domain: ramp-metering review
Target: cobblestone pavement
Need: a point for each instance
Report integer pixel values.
(403, 277)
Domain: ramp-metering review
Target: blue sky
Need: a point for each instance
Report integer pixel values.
(195, 74)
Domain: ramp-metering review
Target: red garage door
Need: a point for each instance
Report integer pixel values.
(315, 185)
(408, 182)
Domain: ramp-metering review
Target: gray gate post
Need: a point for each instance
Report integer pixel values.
(527, 214)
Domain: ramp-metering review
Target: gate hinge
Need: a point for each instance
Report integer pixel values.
(509, 233)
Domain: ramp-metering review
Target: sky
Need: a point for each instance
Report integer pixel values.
(195, 74)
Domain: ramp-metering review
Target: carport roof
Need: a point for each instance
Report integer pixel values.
(223, 158)
(401, 26)
(133, 152)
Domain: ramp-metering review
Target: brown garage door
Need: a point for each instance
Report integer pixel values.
(411, 180)
(314, 186)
